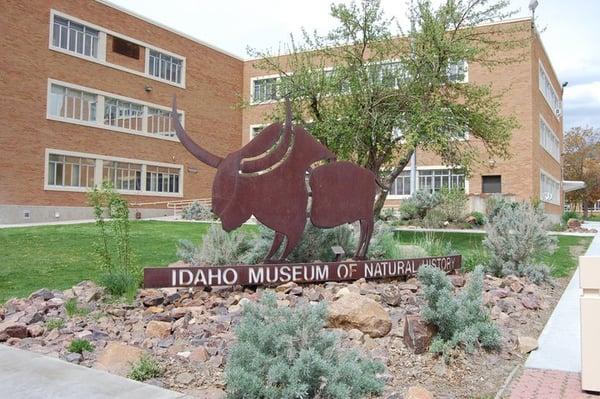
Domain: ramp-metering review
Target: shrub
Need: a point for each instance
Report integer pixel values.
(516, 236)
(434, 219)
(218, 247)
(113, 249)
(537, 273)
(452, 204)
(476, 257)
(73, 309)
(145, 368)
(197, 211)
(570, 215)
(425, 200)
(54, 324)
(478, 217)
(120, 283)
(408, 209)
(80, 345)
(461, 319)
(435, 246)
(388, 215)
(315, 244)
(287, 353)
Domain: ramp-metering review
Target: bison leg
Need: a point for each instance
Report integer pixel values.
(361, 242)
(291, 242)
(366, 231)
(274, 247)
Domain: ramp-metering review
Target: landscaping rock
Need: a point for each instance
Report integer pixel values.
(154, 300)
(74, 358)
(199, 355)
(184, 378)
(418, 392)
(360, 312)
(457, 280)
(117, 358)
(13, 330)
(158, 329)
(43, 293)
(210, 393)
(417, 334)
(530, 302)
(526, 344)
(285, 288)
(35, 330)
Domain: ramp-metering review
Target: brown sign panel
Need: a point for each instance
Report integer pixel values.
(296, 272)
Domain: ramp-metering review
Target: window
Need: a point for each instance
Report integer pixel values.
(548, 140)
(255, 130)
(67, 171)
(72, 104)
(160, 123)
(165, 66)
(162, 180)
(264, 90)
(549, 189)
(429, 180)
(74, 37)
(457, 72)
(549, 93)
(491, 184)
(435, 179)
(126, 48)
(401, 185)
(123, 114)
(122, 175)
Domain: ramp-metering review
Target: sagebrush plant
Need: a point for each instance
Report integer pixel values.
(425, 200)
(568, 215)
(80, 346)
(197, 211)
(537, 273)
(54, 324)
(434, 245)
(73, 309)
(287, 353)
(452, 204)
(516, 236)
(434, 219)
(315, 244)
(408, 209)
(479, 218)
(218, 247)
(114, 250)
(461, 319)
(145, 368)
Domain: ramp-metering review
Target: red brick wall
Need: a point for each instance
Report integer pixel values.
(213, 81)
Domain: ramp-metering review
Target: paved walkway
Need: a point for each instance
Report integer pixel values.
(30, 375)
(553, 371)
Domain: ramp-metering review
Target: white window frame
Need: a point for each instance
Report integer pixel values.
(252, 80)
(550, 177)
(255, 126)
(428, 167)
(98, 173)
(544, 122)
(102, 50)
(465, 69)
(557, 112)
(99, 122)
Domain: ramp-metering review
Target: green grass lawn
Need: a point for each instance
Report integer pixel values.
(58, 257)
(562, 261)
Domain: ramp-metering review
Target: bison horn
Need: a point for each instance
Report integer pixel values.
(279, 153)
(188, 143)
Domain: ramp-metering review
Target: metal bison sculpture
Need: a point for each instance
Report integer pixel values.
(272, 178)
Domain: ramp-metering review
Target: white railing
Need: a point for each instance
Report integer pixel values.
(177, 205)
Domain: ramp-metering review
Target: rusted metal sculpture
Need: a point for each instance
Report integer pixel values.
(267, 178)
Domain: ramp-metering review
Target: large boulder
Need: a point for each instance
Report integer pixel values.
(417, 334)
(118, 358)
(357, 311)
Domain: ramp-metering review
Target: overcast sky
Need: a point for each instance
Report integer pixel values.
(570, 32)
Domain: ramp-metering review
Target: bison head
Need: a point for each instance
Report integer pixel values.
(266, 152)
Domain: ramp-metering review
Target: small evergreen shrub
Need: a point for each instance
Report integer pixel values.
(461, 319)
(425, 200)
(218, 247)
(73, 309)
(287, 353)
(537, 273)
(54, 324)
(516, 236)
(80, 345)
(434, 219)
(315, 244)
(145, 369)
(479, 218)
(452, 204)
(408, 209)
(114, 249)
(197, 211)
(570, 215)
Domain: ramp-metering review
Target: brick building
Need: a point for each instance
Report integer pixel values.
(86, 91)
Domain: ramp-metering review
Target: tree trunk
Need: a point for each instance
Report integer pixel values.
(584, 205)
(383, 193)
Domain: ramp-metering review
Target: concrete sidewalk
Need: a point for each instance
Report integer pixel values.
(560, 341)
(30, 375)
